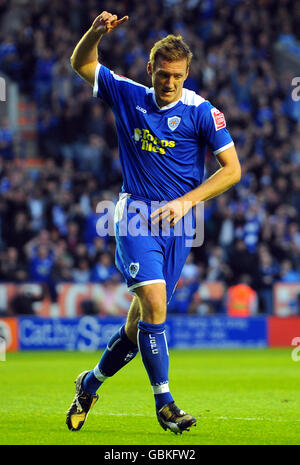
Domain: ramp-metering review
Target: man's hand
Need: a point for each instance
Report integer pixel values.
(84, 59)
(106, 22)
(171, 212)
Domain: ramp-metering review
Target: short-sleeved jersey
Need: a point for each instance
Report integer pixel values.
(162, 150)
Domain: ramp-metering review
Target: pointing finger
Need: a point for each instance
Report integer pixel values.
(122, 20)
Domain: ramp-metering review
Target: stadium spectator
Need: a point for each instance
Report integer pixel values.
(92, 155)
(242, 261)
(288, 274)
(43, 76)
(47, 133)
(41, 265)
(186, 287)
(242, 300)
(43, 239)
(20, 233)
(81, 253)
(217, 270)
(104, 269)
(10, 62)
(81, 274)
(72, 236)
(97, 248)
(267, 275)
(6, 140)
(96, 123)
(208, 298)
(22, 302)
(12, 267)
(36, 207)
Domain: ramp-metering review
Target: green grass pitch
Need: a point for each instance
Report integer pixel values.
(248, 396)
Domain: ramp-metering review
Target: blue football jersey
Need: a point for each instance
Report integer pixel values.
(162, 150)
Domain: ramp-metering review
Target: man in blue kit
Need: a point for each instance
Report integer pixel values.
(163, 135)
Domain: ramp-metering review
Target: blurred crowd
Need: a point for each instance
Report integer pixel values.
(48, 218)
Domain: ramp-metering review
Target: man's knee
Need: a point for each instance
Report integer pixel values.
(153, 303)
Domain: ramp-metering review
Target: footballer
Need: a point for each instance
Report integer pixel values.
(163, 134)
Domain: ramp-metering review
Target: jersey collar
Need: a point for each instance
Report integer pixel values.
(166, 107)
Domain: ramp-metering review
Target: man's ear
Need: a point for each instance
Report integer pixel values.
(149, 68)
(187, 72)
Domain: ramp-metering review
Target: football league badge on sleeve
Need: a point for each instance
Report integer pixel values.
(173, 122)
(219, 119)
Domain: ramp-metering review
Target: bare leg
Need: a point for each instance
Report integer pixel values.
(134, 314)
(148, 305)
(153, 301)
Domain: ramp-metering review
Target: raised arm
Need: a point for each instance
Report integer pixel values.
(84, 58)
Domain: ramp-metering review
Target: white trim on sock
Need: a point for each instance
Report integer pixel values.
(161, 388)
(113, 345)
(98, 374)
(166, 343)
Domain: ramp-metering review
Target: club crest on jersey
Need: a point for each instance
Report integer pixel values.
(173, 122)
(134, 269)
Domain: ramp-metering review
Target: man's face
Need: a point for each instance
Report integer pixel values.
(167, 79)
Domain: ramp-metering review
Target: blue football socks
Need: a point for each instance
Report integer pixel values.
(119, 351)
(154, 352)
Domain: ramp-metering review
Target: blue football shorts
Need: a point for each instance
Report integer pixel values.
(147, 253)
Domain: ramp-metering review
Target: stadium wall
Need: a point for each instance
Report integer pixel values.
(109, 298)
(85, 315)
(89, 333)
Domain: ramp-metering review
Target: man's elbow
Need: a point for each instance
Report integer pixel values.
(236, 174)
(231, 165)
(75, 66)
(75, 62)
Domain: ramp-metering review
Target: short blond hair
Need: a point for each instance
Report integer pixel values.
(171, 48)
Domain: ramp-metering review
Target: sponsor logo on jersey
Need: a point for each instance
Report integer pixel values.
(218, 118)
(151, 143)
(140, 109)
(173, 122)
